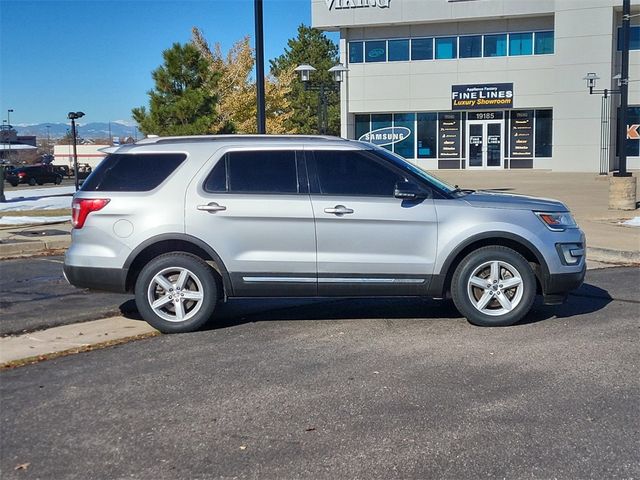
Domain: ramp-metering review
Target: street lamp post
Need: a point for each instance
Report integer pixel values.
(9, 112)
(48, 140)
(73, 116)
(323, 90)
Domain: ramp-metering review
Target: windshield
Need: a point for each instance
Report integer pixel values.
(402, 163)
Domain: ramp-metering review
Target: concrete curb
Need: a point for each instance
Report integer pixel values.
(44, 344)
(30, 248)
(607, 255)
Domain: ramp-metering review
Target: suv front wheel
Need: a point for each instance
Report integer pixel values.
(493, 286)
(176, 292)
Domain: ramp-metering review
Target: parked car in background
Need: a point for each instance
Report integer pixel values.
(62, 170)
(188, 222)
(34, 175)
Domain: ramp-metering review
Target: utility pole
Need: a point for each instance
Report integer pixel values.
(624, 90)
(262, 126)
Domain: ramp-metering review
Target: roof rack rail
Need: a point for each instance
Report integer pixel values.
(239, 138)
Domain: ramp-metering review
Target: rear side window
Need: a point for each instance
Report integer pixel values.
(272, 171)
(125, 172)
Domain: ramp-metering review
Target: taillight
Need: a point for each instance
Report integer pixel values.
(81, 207)
(22, 175)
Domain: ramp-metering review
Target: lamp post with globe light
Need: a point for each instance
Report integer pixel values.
(73, 116)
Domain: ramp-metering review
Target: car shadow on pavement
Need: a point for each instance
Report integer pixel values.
(587, 299)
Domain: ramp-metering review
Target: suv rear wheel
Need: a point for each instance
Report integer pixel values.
(494, 286)
(176, 292)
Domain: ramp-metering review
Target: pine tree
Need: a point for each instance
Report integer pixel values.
(181, 102)
(312, 47)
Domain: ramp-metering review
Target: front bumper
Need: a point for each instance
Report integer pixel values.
(558, 285)
(107, 279)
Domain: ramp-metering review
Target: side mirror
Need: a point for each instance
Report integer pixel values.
(410, 191)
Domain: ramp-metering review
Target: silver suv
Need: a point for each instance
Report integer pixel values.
(187, 222)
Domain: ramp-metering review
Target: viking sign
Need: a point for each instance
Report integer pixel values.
(342, 4)
(386, 136)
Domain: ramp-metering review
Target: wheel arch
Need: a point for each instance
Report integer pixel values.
(441, 284)
(174, 242)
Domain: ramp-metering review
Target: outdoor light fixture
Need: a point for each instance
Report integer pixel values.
(73, 116)
(591, 79)
(337, 72)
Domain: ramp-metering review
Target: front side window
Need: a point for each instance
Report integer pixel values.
(471, 46)
(446, 47)
(268, 171)
(398, 50)
(495, 45)
(375, 51)
(354, 173)
(356, 52)
(520, 44)
(422, 49)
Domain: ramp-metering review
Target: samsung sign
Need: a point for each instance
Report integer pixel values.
(342, 4)
(386, 136)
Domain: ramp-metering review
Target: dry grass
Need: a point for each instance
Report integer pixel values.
(37, 213)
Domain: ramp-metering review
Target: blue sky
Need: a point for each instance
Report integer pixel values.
(97, 55)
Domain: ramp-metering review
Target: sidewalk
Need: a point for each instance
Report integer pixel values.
(586, 194)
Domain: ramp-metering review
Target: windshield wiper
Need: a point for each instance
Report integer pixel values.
(462, 190)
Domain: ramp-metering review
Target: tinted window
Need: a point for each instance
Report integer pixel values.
(398, 50)
(427, 135)
(520, 43)
(634, 38)
(471, 47)
(422, 49)
(495, 45)
(544, 43)
(126, 172)
(354, 173)
(262, 172)
(375, 51)
(544, 133)
(446, 47)
(355, 52)
(217, 179)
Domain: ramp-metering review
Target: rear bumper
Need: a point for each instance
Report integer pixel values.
(107, 279)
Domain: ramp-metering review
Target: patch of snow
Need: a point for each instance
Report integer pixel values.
(45, 203)
(633, 222)
(28, 192)
(32, 220)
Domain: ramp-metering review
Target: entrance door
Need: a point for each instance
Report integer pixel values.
(484, 140)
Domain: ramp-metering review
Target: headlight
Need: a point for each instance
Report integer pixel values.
(557, 221)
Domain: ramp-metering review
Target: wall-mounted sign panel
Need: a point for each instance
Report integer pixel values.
(449, 132)
(521, 133)
(472, 97)
(342, 4)
(386, 136)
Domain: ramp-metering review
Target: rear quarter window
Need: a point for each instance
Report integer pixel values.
(126, 172)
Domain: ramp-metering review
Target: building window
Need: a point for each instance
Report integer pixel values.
(495, 45)
(363, 125)
(427, 135)
(634, 38)
(471, 46)
(375, 51)
(406, 147)
(544, 133)
(355, 52)
(543, 43)
(422, 49)
(520, 44)
(446, 47)
(379, 121)
(398, 50)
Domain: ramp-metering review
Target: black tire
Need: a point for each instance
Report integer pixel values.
(487, 304)
(32, 182)
(200, 280)
(14, 184)
(58, 180)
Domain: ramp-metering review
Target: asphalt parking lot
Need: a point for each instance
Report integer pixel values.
(344, 389)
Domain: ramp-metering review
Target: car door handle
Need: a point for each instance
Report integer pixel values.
(338, 210)
(212, 207)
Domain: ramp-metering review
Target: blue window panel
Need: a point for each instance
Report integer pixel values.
(634, 38)
(495, 45)
(398, 50)
(446, 47)
(375, 51)
(363, 125)
(520, 44)
(382, 120)
(422, 49)
(356, 54)
(543, 43)
(471, 46)
(405, 148)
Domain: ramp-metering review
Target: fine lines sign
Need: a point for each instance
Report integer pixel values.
(493, 95)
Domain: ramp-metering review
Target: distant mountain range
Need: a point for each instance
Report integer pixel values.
(88, 130)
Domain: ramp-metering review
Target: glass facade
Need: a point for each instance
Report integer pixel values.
(634, 38)
(463, 46)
